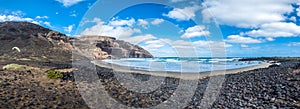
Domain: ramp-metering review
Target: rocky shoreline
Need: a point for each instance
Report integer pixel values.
(273, 87)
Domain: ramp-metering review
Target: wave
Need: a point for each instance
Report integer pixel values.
(182, 64)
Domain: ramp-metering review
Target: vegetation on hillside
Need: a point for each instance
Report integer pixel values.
(54, 74)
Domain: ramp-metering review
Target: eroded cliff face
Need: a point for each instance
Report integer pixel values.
(101, 47)
(35, 42)
(38, 43)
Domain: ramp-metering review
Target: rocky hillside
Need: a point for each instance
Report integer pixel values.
(34, 42)
(38, 43)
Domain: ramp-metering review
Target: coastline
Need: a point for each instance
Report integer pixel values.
(26, 77)
(184, 76)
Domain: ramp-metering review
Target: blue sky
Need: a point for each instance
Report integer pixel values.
(246, 28)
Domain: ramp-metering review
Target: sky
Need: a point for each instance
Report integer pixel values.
(168, 28)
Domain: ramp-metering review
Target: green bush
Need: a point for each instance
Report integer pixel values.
(54, 74)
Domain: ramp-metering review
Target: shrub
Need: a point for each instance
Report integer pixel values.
(54, 74)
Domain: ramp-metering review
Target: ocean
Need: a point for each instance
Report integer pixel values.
(179, 64)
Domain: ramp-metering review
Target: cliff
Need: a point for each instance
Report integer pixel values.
(38, 43)
(108, 47)
(34, 42)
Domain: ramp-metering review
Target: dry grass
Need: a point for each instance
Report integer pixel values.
(17, 67)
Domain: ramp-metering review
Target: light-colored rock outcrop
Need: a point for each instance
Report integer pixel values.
(99, 47)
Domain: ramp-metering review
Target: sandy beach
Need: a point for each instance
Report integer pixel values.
(184, 75)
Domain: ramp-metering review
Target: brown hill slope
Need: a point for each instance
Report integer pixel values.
(34, 42)
(38, 43)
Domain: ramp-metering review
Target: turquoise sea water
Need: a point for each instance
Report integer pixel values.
(176, 64)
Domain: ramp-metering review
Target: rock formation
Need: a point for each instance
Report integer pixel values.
(99, 47)
(37, 42)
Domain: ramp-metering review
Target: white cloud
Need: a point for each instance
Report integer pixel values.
(47, 24)
(73, 15)
(242, 40)
(293, 18)
(2, 18)
(195, 31)
(114, 28)
(298, 12)
(35, 22)
(158, 42)
(142, 23)
(185, 44)
(270, 39)
(20, 16)
(207, 16)
(152, 47)
(186, 13)
(14, 18)
(294, 44)
(41, 17)
(17, 13)
(87, 21)
(154, 44)
(244, 46)
(208, 48)
(182, 44)
(202, 43)
(69, 28)
(248, 13)
(157, 21)
(168, 47)
(276, 29)
(106, 30)
(211, 44)
(68, 3)
(117, 22)
(139, 39)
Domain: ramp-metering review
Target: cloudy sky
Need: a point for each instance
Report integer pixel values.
(242, 28)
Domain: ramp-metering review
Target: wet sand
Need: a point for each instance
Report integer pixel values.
(184, 75)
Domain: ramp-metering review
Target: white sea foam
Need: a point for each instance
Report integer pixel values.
(182, 64)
